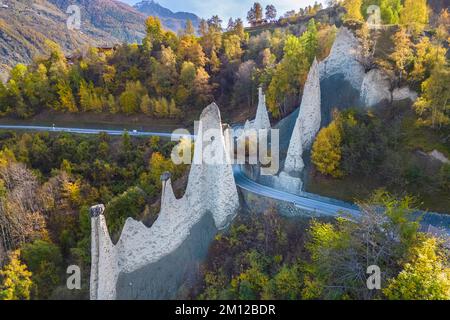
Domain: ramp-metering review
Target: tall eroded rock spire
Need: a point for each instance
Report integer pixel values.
(308, 122)
(211, 190)
(310, 115)
(306, 128)
(262, 120)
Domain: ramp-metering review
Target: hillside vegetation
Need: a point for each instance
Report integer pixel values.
(168, 75)
(26, 25)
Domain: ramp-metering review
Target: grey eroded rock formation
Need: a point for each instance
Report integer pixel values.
(310, 117)
(211, 191)
(167, 278)
(262, 120)
(288, 182)
(376, 88)
(343, 59)
(305, 130)
(341, 75)
(294, 159)
(345, 83)
(439, 156)
(254, 133)
(404, 93)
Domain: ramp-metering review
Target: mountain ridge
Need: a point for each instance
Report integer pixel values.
(26, 25)
(120, 20)
(171, 20)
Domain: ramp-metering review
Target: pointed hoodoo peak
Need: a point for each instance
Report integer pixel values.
(167, 194)
(211, 190)
(343, 59)
(211, 112)
(168, 198)
(307, 124)
(104, 268)
(261, 96)
(314, 71)
(210, 125)
(262, 120)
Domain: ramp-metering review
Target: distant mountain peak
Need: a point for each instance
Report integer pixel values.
(171, 20)
(147, 6)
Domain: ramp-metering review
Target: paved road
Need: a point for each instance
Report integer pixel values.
(318, 206)
(90, 131)
(332, 208)
(322, 206)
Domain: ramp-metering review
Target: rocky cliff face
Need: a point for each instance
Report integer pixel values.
(343, 60)
(345, 83)
(375, 89)
(341, 75)
(211, 191)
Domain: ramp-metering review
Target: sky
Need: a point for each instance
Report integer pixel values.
(228, 8)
